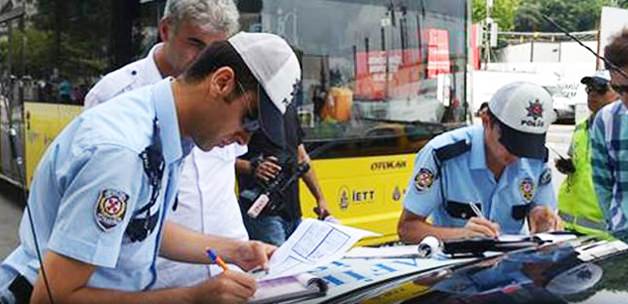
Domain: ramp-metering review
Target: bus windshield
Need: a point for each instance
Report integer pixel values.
(372, 70)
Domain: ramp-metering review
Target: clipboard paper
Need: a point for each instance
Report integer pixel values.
(289, 288)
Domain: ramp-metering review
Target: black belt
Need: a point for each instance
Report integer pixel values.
(21, 289)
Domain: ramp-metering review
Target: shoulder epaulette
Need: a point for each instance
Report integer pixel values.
(452, 150)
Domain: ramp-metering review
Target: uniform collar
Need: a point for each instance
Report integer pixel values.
(150, 71)
(478, 153)
(166, 113)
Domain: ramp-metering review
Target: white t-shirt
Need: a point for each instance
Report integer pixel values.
(207, 198)
(207, 177)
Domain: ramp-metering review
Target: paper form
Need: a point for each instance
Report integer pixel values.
(408, 251)
(547, 237)
(313, 244)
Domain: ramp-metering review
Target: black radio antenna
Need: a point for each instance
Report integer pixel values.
(609, 65)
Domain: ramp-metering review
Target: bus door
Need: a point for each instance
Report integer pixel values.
(11, 93)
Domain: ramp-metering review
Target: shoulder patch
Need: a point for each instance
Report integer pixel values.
(526, 187)
(546, 177)
(110, 208)
(423, 180)
(452, 150)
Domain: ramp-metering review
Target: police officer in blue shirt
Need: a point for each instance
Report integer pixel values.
(105, 185)
(486, 180)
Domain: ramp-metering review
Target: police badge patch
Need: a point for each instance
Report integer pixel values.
(546, 177)
(110, 208)
(526, 187)
(423, 180)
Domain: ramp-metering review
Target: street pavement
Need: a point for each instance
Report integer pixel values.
(10, 215)
(11, 209)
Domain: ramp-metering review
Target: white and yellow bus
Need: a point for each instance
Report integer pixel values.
(380, 78)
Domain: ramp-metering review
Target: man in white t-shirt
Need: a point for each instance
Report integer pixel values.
(206, 199)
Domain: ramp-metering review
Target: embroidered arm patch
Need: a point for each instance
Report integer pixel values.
(110, 208)
(423, 180)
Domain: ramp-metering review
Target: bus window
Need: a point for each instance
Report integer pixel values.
(381, 76)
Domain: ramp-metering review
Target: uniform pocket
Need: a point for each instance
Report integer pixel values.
(519, 212)
(460, 210)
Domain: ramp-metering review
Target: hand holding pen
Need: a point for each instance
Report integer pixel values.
(479, 225)
(215, 258)
(227, 287)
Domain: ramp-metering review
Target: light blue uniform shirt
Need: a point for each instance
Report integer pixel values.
(466, 178)
(98, 154)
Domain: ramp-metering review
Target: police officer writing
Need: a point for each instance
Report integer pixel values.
(577, 200)
(206, 199)
(500, 167)
(104, 186)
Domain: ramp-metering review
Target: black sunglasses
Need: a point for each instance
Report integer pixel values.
(601, 90)
(250, 122)
(620, 89)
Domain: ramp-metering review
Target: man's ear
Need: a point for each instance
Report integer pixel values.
(486, 121)
(223, 81)
(165, 29)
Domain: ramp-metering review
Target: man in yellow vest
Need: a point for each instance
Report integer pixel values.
(577, 201)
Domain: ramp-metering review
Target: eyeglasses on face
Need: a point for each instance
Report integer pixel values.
(601, 90)
(250, 122)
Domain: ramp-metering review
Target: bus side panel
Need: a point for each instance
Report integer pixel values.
(9, 117)
(364, 192)
(43, 122)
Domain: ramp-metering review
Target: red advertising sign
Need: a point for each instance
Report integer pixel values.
(475, 48)
(437, 52)
(405, 68)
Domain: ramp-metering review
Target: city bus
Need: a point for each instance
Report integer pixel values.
(380, 78)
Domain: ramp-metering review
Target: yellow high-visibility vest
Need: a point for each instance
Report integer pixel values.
(577, 201)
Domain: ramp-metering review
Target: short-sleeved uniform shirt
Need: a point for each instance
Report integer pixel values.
(206, 200)
(89, 184)
(443, 189)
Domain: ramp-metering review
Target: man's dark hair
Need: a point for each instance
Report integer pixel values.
(216, 55)
(491, 115)
(617, 51)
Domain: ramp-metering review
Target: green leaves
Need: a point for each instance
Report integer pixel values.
(503, 12)
(525, 16)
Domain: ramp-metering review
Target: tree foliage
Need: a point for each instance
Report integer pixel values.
(503, 12)
(527, 16)
(79, 34)
(70, 38)
(35, 44)
(573, 15)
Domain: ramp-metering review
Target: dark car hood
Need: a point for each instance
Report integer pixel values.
(581, 271)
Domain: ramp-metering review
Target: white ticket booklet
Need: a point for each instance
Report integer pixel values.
(314, 243)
